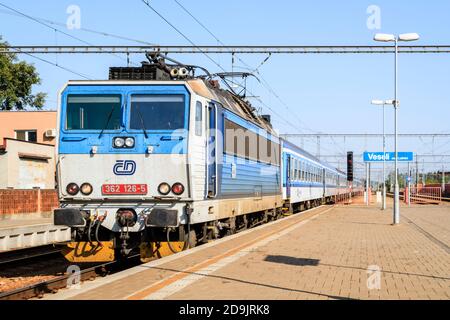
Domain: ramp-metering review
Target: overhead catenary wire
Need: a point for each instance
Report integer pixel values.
(52, 27)
(238, 49)
(146, 2)
(89, 30)
(57, 65)
(264, 82)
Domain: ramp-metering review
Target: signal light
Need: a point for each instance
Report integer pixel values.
(72, 189)
(177, 188)
(86, 189)
(164, 188)
(350, 166)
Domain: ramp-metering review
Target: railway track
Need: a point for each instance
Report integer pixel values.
(59, 282)
(28, 254)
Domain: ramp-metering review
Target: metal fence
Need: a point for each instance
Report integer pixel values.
(423, 195)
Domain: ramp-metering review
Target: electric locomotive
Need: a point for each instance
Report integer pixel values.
(156, 160)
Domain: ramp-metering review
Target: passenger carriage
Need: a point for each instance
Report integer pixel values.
(307, 180)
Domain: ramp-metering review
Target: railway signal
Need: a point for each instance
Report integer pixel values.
(350, 166)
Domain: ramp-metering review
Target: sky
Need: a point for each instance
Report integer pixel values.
(309, 93)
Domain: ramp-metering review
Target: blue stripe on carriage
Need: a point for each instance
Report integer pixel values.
(250, 176)
(313, 185)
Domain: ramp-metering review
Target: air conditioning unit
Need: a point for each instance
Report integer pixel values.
(51, 133)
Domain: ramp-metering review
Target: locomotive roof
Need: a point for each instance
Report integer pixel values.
(229, 101)
(204, 89)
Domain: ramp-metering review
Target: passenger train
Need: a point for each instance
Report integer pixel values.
(156, 160)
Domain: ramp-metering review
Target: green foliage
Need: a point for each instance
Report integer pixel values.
(16, 81)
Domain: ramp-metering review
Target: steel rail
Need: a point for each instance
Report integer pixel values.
(57, 283)
(25, 254)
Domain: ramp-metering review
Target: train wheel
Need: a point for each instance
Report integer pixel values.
(192, 240)
(147, 251)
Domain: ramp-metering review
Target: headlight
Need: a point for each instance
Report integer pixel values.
(86, 189)
(164, 188)
(129, 142)
(119, 142)
(177, 188)
(72, 189)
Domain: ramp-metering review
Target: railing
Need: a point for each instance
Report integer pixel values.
(423, 195)
(345, 196)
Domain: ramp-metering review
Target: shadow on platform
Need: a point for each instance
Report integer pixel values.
(292, 260)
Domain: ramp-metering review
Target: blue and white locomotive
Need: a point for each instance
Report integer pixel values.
(156, 160)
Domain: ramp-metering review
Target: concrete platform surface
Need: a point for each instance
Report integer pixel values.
(14, 223)
(344, 252)
(21, 233)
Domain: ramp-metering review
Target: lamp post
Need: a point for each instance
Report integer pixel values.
(392, 38)
(383, 103)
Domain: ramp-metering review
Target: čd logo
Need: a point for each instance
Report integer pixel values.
(124, 168)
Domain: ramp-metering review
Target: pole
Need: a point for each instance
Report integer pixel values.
(443, 179)
(367, 183)
(396, 188)
(409, 184)
(417, 172)
(383, 201)
(369, 191)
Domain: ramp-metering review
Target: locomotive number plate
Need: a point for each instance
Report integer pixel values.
(124, 189)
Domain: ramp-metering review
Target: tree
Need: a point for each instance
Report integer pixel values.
(16, 81)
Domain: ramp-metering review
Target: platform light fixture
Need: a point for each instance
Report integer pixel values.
(383, 103)
(383, 37)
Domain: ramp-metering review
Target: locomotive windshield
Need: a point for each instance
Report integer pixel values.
(93, 112)
(157, 112)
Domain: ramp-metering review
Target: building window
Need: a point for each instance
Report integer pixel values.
(26, 135)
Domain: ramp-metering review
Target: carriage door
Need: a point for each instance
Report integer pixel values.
(211, 151)
(288, 176)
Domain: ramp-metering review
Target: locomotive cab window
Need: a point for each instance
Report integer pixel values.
(93, 112)
(157, 112)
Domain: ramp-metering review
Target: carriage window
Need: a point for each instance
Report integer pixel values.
(93, 112)
(295, 170)
(157, 112)
(304, 172)
(299, 170)
(245, 143)
(198, 119)
(292, 168)
(302, 169)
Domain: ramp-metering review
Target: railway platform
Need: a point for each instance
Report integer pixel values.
(21, 233)
(340, 252)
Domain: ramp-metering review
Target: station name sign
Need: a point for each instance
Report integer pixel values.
(388, 156)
